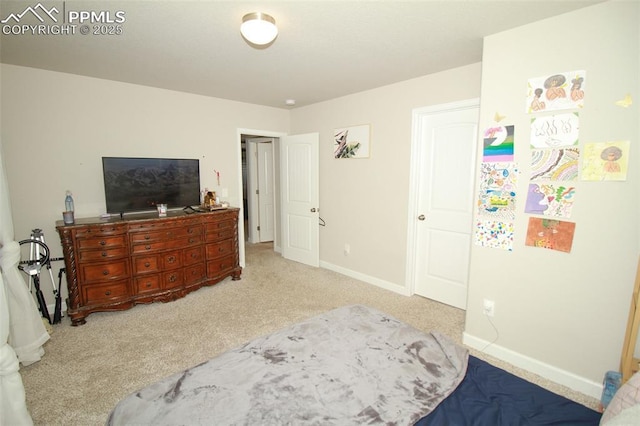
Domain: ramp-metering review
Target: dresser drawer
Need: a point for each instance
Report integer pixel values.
(192, 255)
(222, 216)
(150, 247)
(221, 234)
(167, 234)
(104, 271)
(173, 279)
(194, 273)
(102, 242)
(147, 283)
(217, 226)
(217, 266)
(171, 260)
(220, 249)
(100, 255)
(100, 231)
(146, 264)
(105, 292)
(162, 224)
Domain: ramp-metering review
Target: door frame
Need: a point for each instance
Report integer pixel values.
(414, 178)
(276, 151)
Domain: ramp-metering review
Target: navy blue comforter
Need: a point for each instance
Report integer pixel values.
(491, 396)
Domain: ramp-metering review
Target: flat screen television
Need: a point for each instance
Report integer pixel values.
(139, 184)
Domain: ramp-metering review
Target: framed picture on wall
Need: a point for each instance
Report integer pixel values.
(351, 142)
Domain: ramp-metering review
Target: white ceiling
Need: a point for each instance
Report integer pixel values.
(324, 50)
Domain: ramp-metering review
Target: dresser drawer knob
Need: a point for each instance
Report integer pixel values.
(172, 278)
(147, 247)
(191, 241)
(220, 249)
(148, 285)
(194, 256)
(107, 293)
(171, 259)
(105, 272)
(147, 264)
(104, 254)
(102, 243)
(146, 237)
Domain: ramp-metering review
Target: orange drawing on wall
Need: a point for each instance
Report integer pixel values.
(550, 234)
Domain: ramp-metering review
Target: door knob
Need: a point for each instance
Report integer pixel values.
(313, 210)
(421, 217)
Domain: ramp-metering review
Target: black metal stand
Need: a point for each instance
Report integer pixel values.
(39, 257)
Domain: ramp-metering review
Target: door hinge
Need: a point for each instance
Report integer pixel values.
(258, 228)
(257, 192)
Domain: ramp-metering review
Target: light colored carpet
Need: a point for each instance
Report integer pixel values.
(87, 369)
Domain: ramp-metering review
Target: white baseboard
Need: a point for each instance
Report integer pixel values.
(557, 375)
(366, 278)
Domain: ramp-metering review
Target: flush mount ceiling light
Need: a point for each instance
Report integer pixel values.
(258, 28)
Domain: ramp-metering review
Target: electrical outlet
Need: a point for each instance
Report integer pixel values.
(488, 307)
(347, 249)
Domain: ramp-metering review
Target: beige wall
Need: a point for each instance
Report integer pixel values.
(56, 127)
(61, 125)
(556, 313)
(364, 201)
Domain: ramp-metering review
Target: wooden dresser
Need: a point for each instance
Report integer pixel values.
(114, 264)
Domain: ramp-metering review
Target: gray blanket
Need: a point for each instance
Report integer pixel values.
(351, 365)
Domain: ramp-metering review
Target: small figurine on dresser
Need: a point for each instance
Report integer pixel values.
(212, 202)
(209, 199)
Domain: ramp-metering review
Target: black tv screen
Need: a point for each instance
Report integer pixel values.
(139, 184)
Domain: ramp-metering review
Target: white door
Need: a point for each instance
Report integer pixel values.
(299, 190)
(266, 199)
(444, 145)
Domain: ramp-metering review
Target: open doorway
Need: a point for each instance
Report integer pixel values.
(295, 191)
(259, 197)
(260, 156)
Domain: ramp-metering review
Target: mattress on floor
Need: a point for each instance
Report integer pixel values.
(489, 395)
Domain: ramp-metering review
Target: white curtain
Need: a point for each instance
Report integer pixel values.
(22, 332)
